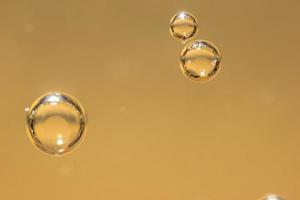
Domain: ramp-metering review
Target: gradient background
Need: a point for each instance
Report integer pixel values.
(153, 134)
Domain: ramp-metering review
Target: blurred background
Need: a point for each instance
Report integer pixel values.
(152, 133)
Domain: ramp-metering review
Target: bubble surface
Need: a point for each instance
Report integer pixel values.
(183, 26)
(200, 61)
(271, 197)
(56, 122)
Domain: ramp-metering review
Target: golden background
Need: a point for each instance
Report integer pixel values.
(152, 133)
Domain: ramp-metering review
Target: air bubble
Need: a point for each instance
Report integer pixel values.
(183, 26)
(200, 61)
(56, 122)
(271, 197)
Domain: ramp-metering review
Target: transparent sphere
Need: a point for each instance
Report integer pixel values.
(271, 197)
(200, 61)
(183, 26)
(56, 123)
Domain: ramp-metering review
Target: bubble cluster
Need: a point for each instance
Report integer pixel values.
(200, 61)
(56, 122)
(183, 26)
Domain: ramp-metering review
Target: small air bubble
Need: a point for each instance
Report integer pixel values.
(183, 26)
(200, 61)
(272, 197)
(56, 123)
